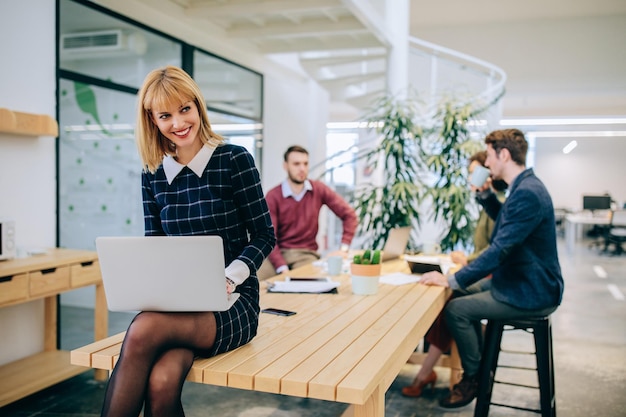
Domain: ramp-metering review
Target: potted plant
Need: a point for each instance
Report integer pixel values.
(424, 157)
(392, 197)
(418, 167)
(365, 272)
(449, 198)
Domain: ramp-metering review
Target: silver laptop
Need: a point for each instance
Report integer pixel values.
(396, 243)
(164, 273)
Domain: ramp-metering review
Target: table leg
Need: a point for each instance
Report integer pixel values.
(101, 325)
(50, 323)
(570, 235)
(373, 407)
(456, 370)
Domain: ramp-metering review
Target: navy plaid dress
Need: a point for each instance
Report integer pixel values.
(227, 201)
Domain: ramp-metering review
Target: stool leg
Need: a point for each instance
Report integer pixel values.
(488, 364)
(545, 368)
(552, 371)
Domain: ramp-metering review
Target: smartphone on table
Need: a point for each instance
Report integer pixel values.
(278, 312)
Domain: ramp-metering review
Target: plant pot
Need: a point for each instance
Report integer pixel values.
(365, 278)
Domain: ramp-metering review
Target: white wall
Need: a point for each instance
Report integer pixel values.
(594, 167)
(27, 164)
(294, 114)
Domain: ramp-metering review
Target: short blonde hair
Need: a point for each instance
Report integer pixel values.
(162, 88)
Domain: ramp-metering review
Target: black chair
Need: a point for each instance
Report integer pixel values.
(616, 233)
(542, 331)
(600, 231)
(559, 220)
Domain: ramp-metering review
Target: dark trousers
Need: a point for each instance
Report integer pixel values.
(464, 313)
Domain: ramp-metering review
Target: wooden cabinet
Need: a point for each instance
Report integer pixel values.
(44, 277)
(49, 281)
(13, 288)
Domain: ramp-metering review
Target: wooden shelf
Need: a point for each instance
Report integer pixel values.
(31, 374)
(44, 277)
(27, 123)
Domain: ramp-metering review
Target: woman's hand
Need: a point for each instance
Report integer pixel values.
(434, 278)
(230, 286)
(458, 257)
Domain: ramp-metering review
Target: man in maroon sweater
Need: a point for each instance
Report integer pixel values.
(295, 207)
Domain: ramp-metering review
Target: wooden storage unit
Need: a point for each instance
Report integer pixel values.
(44, 277)
(13, 288)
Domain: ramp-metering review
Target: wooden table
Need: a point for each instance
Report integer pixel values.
(338, 347)
(44, 277)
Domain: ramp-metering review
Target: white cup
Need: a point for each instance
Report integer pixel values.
(335, 264)
(479, 176)
(431, 248)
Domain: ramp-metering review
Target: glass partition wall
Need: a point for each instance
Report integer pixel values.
(103, 59)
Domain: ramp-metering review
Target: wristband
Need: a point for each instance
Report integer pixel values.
(231, 285)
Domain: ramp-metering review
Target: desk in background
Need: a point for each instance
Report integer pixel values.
(574, 223)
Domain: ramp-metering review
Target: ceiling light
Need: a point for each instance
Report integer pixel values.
(577, 134)
(236, 127)
(352, 125)
(569, 147)
(563, 122)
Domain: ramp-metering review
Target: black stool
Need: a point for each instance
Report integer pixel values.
(542, 332)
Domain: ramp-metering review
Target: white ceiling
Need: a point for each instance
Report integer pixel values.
(428, 13)
(279, 26)
(562, 57)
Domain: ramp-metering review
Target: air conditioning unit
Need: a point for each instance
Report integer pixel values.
(102, 44)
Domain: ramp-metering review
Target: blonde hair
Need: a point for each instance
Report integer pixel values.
(162, 88)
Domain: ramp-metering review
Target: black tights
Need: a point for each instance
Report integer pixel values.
(157, 353)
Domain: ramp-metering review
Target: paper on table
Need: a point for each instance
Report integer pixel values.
(399, 278)
(312, 286)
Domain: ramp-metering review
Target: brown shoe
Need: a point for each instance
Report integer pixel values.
(415, 389)
(462, 393)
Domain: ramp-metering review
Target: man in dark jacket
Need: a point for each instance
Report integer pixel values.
(522, 259)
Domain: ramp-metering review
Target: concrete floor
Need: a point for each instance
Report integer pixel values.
(589, 344)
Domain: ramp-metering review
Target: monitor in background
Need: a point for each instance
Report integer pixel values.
(596, 202)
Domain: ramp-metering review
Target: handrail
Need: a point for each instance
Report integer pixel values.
(491, 70)
(489, 96)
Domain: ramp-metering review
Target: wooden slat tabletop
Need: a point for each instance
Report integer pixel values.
(337, 347)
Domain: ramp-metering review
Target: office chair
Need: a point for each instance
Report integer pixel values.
(559, 219)
(600, 232)
(616, 234)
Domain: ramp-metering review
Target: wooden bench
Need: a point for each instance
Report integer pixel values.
(338, 347)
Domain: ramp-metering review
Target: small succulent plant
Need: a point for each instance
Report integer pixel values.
(369, 257)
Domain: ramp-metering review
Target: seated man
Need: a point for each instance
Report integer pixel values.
(294, 206)
(438, 337)
(522, 260)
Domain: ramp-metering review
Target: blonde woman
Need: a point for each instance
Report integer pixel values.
(192, 184)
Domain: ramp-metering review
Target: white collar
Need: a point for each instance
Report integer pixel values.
(199, 162)
(287, 192)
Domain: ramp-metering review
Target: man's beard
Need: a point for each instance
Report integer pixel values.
(295, 180)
